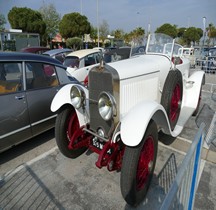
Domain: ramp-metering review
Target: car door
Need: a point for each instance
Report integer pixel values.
(41, 84)
(14, 118)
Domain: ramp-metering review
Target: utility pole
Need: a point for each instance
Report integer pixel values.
(98, 25)
(81, 7)
(204, 29)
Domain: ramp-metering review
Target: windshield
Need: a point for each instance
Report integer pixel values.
(116, 55)
(157, 44)
(71, 61)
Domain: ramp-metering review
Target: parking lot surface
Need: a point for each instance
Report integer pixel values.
(52, 181)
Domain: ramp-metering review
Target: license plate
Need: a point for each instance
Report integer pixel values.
(99, 145)
(96, 143)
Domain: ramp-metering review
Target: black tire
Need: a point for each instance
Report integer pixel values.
(62, 132)
(136, 159)
(171, 98)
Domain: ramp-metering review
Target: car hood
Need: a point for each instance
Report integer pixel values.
(140, 65)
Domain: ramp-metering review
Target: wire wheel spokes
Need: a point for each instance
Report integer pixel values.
(175, 103)
(145, 164)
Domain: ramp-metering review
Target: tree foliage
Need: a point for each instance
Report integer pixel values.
(211, 32)
(74, 43)
(118, 34)
(168, 29)
(26, 19)
(74, 25)
(93, 33)
(136, 35)
(52, 20)
(193, 35)
(2, 22)
(180, 32)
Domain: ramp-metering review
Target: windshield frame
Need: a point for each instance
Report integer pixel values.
(158, 44)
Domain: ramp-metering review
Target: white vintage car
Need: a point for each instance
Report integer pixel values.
(124, 107)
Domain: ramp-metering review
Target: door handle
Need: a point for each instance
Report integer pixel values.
(19, 97)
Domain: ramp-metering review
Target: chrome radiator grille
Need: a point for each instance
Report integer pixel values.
(99, 81)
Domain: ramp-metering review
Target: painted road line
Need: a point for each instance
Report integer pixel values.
(44, 155)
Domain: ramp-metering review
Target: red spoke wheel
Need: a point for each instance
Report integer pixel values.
(145, 163)
(66, 125)
(171, 98)
(138, 167)
(175, 103)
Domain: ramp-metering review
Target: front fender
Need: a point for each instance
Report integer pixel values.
(134, 124)
(63, 97)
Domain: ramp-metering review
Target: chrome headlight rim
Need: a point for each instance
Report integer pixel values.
(77, 96)
(106, 105)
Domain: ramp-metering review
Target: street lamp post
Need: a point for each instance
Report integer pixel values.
(204, 26)
(138, 19)
(81, 7)
(98, 25)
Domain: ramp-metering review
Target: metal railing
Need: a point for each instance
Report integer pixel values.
(209, 66)
(182, 192)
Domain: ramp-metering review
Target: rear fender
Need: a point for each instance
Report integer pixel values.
(134, 124)
(62, 98)
(192, 89)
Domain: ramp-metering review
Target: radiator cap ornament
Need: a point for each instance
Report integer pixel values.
(101, 66)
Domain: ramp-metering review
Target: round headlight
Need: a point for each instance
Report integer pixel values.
(77, 96)
(106, 106)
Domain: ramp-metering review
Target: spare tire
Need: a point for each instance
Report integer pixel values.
(171, 98)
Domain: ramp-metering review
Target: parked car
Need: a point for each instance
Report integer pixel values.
(127, 103)
(108, 49)
(188, 52)
(80, 62)
(28, 83)
(116, 54)
(209, 62)
(99, 48)
(35, 49)
(58, 54)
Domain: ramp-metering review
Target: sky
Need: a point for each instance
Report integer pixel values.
(128, 14)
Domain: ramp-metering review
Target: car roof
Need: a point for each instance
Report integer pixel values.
(21, 56)
(56, 51)
(34, 49)
(83, 53)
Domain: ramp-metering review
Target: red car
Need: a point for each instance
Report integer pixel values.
(35, 49)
